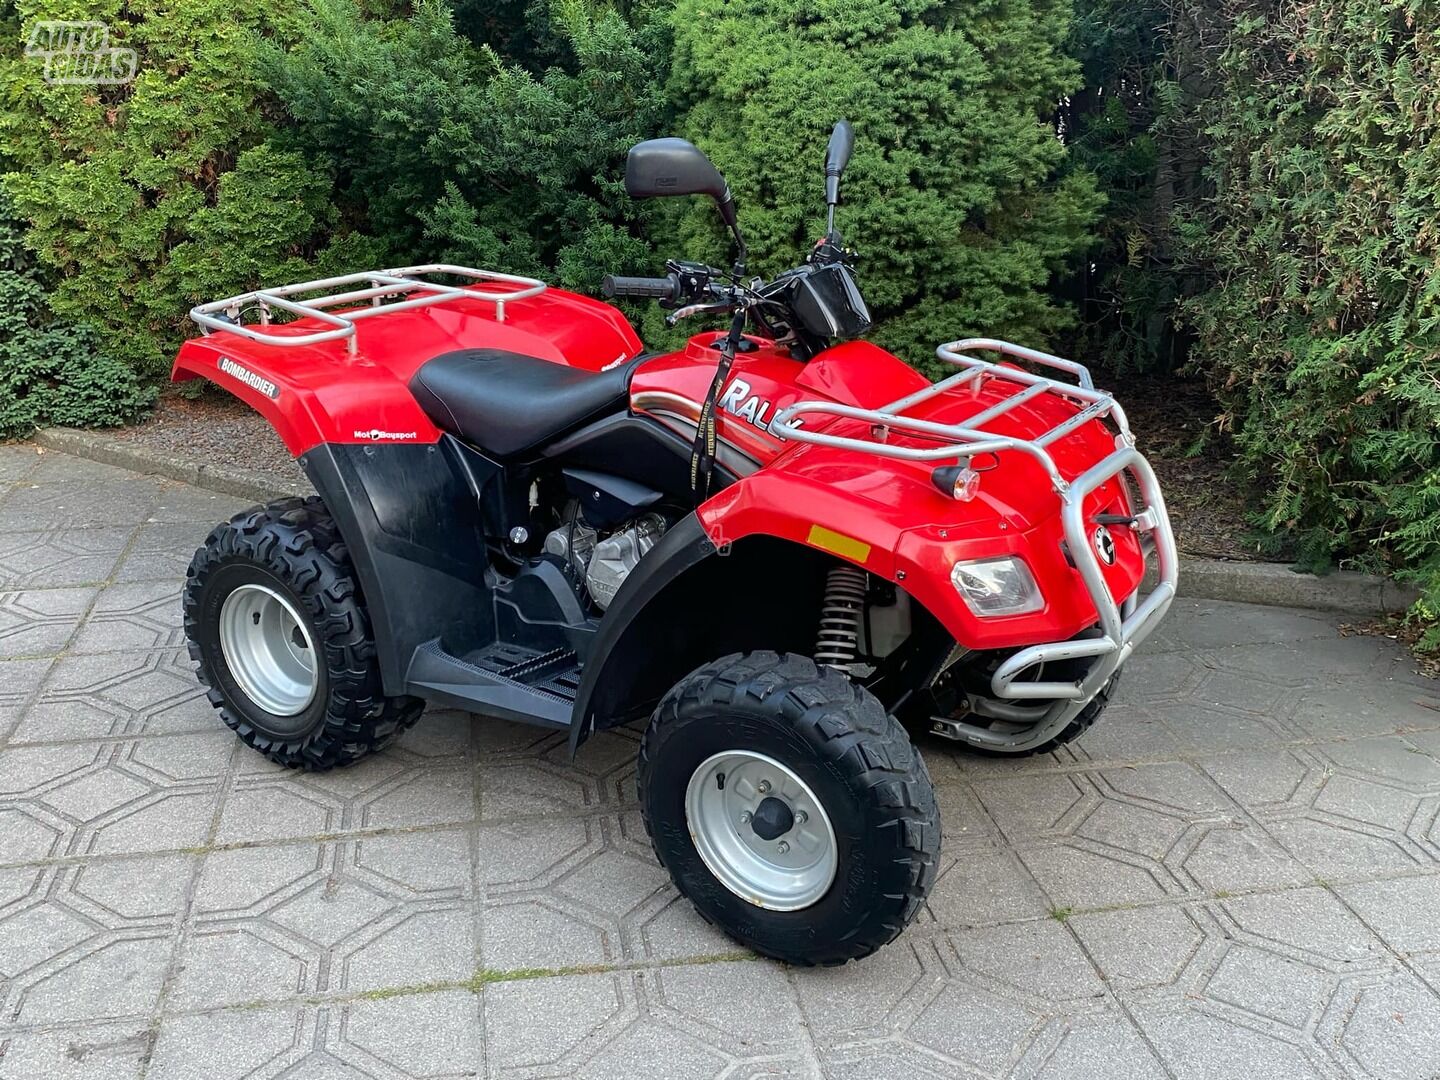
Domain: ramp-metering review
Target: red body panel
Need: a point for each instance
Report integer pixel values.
(324, 395)
(914, 534)
(856, 373)
(881, 513)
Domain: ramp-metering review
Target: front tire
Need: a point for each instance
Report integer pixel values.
(811, 761)
(282, 642)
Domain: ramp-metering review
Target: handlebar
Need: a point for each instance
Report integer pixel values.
(665, 288)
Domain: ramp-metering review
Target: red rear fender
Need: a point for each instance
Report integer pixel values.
(353, 405)
(321, 393)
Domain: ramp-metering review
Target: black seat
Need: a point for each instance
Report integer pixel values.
(507, 403)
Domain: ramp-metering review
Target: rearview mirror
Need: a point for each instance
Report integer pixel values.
(837, 156)
(677, 167)
(672, 167)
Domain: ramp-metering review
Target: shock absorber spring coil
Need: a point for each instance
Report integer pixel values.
(838, 642)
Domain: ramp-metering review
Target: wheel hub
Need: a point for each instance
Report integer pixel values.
(268, 649)
(772, 819)
(761, 830)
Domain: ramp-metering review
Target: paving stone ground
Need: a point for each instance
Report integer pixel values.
(1235, 875)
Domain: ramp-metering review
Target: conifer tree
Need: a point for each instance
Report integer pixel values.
(952, 198)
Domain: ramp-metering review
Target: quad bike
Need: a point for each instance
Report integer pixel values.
(782, 546)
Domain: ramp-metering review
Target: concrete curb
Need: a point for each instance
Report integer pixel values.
(1273, 584)
(225, 479)
(1277, 585)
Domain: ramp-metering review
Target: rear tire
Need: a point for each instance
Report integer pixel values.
(820, 742)
(281, 640)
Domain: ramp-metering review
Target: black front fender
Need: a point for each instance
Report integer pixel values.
(621, 643)
(686, 604)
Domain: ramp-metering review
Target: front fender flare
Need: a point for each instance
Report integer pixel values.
(687, 603)
(683, 546)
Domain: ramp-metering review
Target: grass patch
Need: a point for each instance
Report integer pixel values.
(486, 976)
(498, 975)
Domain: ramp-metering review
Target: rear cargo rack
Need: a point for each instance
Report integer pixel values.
(381, 289)
(1122, 626)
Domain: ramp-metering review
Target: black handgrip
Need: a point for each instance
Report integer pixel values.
(661, 288)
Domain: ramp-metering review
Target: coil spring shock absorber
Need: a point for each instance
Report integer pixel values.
(838, 642)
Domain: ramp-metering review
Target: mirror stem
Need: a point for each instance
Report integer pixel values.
(726, 207)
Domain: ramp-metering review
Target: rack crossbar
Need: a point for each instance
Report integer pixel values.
(226, 316)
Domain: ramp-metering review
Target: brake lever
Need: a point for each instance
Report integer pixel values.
(695, 309)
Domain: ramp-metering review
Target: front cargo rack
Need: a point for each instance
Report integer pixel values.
(382, 287)
(1121, 626)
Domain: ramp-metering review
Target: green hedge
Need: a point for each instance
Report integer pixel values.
(263, 143)
(52, 371)
(447, 149)
(115, 180)
(1319, 325)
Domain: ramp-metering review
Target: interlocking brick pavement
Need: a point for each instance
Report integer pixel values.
(1236, 874)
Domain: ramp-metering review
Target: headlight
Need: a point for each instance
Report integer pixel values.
(997, 587)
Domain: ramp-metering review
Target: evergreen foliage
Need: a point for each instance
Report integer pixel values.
(952, 199)
(52, 371)
(1320, 323)
(111, 179)
(1120, 126)
(260, 143)
(448, 150)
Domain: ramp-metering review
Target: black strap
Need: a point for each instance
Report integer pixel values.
(702, 454)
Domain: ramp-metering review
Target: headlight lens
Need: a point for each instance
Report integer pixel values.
(997, 587)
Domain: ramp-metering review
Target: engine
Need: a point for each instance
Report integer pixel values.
(604, 563)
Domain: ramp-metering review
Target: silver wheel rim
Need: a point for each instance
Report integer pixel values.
(268, 649)
(785, 873)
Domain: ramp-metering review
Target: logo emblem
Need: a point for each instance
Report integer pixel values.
(752, 408)
(249, 378)
(1104, 545)
(379, 435)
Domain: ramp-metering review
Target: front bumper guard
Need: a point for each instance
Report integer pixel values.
(1121, 626)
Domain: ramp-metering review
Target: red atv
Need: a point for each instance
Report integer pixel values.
(781, 545)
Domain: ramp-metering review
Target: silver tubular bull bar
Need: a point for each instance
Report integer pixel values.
(1121, 627)
(226, 315)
